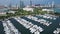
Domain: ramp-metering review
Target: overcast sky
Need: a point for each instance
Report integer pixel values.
(26, 2)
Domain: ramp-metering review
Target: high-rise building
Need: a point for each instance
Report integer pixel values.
(53, 3)
(21, 4)
(30, 3)
(10, 5)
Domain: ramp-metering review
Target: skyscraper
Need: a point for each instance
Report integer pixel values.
(53, 3)
(21, 4)
(30, 3)
(10, 5)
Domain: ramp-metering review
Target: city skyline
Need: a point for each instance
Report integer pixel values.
(27, 2)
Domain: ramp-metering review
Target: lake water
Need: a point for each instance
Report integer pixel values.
(57, 10)
(1, 28)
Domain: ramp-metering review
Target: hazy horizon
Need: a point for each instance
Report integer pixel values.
(26, 2)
